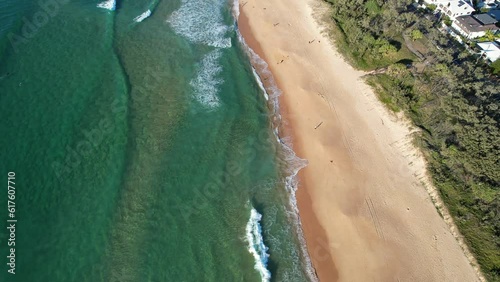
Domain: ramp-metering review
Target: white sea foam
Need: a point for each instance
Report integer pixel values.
(201, 21)
(142, 16)
(236, 9)
(259, 82)
(206, 83)
(256, 245)
(261, 71)
(108, 5)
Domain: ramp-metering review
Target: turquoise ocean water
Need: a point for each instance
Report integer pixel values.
(142, 145)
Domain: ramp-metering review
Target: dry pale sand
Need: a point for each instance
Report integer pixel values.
(364, 207)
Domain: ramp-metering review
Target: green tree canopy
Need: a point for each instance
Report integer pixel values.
(385, 48)
(416, 34)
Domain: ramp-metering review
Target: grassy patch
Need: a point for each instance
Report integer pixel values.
(382, 86)
(372, 7)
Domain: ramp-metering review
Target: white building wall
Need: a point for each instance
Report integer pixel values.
(451, 8)
(467, 35)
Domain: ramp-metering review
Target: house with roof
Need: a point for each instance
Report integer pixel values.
(456, 9)
(490, 50)
(453, 8)
(474, 26)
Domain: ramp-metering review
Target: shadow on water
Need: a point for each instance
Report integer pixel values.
(119, 4)
(272, 265)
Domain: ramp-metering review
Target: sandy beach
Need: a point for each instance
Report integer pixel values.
(364, 198)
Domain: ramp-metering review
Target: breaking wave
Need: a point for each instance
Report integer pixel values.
(201, 21)
(256, 245)
(142, 16)
(259, 82)
(108, 5)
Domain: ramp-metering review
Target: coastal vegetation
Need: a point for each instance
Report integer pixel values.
(495, 66)
(448, 92)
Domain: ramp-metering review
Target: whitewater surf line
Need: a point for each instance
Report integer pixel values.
(108, 5)
(142, 16)
(192, 19)
(256, 245)
(261, 85)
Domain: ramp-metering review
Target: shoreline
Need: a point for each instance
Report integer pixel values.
(357, 224)
(308, 221)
